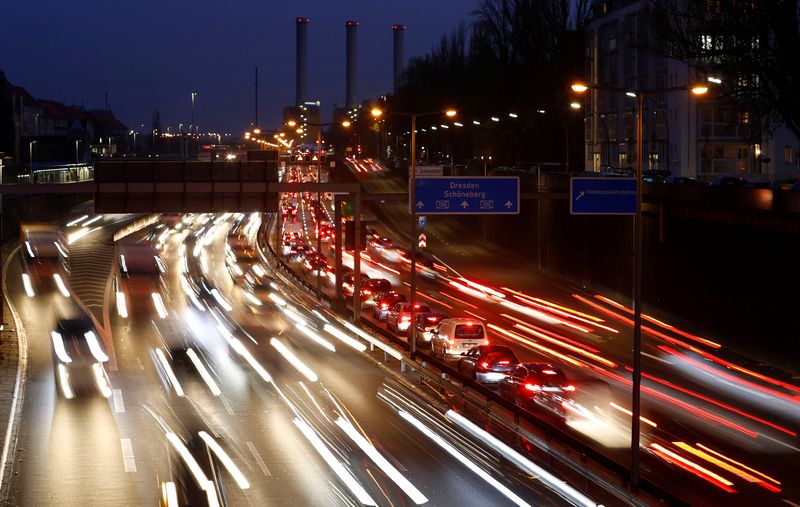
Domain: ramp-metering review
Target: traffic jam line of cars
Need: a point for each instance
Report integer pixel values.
(547, 384)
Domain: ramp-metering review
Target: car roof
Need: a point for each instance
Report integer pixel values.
(463, 320)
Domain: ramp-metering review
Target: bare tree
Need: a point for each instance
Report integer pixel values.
(753, 46)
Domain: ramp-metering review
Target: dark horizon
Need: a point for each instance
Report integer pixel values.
(142, 72)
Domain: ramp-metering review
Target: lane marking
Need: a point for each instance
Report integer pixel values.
(227, 405)
(259, 461)
(127, 454)
(119, 404)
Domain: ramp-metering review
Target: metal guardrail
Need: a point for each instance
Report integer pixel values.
(491, 400)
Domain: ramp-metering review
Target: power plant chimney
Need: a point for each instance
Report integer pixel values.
(398, 32)
(302, 61)
(351, 28)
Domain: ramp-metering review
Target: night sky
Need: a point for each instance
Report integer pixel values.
(150, 54)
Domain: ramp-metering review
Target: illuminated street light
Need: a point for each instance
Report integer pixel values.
(450, 113)
(346, 123)
(699, 89)
(291, 123)
(495, 118)
(715, 80)
(256, 131)
(574, 105)
(579, 87)
(512, 115)
(377, 113)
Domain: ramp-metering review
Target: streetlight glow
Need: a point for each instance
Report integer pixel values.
(450, 113)
(291, 123)
(574, 105)
(699, 89)
(256, 131)
(579, 87)
(376, 112)
(346, 123)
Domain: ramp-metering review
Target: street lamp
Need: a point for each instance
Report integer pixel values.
(636, 409)
(450, 113)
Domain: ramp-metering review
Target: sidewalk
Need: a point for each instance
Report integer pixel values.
(11, 393)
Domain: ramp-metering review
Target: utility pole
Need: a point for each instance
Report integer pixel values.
(256, 101)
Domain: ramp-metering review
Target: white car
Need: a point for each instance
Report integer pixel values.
(454, 337)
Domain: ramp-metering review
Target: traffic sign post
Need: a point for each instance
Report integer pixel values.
(466, 196)
(602, 196)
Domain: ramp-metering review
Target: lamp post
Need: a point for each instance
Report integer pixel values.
(412, 191)
(577, 105)
(636, 375)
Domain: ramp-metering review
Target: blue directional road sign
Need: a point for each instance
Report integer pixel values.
(602, 196)
(463, 195)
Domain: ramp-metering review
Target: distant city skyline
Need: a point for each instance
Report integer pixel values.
(153, 56)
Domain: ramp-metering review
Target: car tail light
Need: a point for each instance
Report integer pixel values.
(486, 342)
(367, 292)
(451, 342)
(431, 319)
(484, 364)
(569, 388)
(384, 306)
(405, 318)
(416, 307)
(504, 362)
(533, 387)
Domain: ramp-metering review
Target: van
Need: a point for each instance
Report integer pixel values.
(454, 337)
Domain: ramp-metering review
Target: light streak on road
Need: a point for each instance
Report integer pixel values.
(199, 476)
(442, 303)
(315, 337)
(30, 250)
(692, 467)
(339, 334)
(240, 349)
(122, 305)
(568, 346)
(452, 451)
(94, 346)
(566, 491)
(554, 305)
(170, 373)
(657, 322)
(729, 467)
(522, 339)
(630, 414)
(387, 468)
(63, 381)
(226, 460)
(483, 288)
(250, 297)
(719, 404)
(221, 300)
(77, 220)
(101, 380)
(335, 465)
(203, 371)
(26, 283)
(719, 373)
(169, 494)
(459, 300)
(277, 299)
(187, 289)
(548, 308)
(294, 360)
(159, 304)
(58, 347)
(60, 284)
(93, 220)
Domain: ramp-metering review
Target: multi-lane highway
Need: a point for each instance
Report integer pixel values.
(716, 426)
(229, 399)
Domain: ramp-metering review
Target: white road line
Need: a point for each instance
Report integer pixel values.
(227, 405)
(119, 405)
(18, 396)
(127, 454)
(259, 461)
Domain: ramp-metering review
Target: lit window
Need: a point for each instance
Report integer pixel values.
(787, 155)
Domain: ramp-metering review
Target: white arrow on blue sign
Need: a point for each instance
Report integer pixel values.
(464, 195)
(602, 196)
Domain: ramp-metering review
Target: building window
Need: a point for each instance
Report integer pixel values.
(787, 155)
(744, 152)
